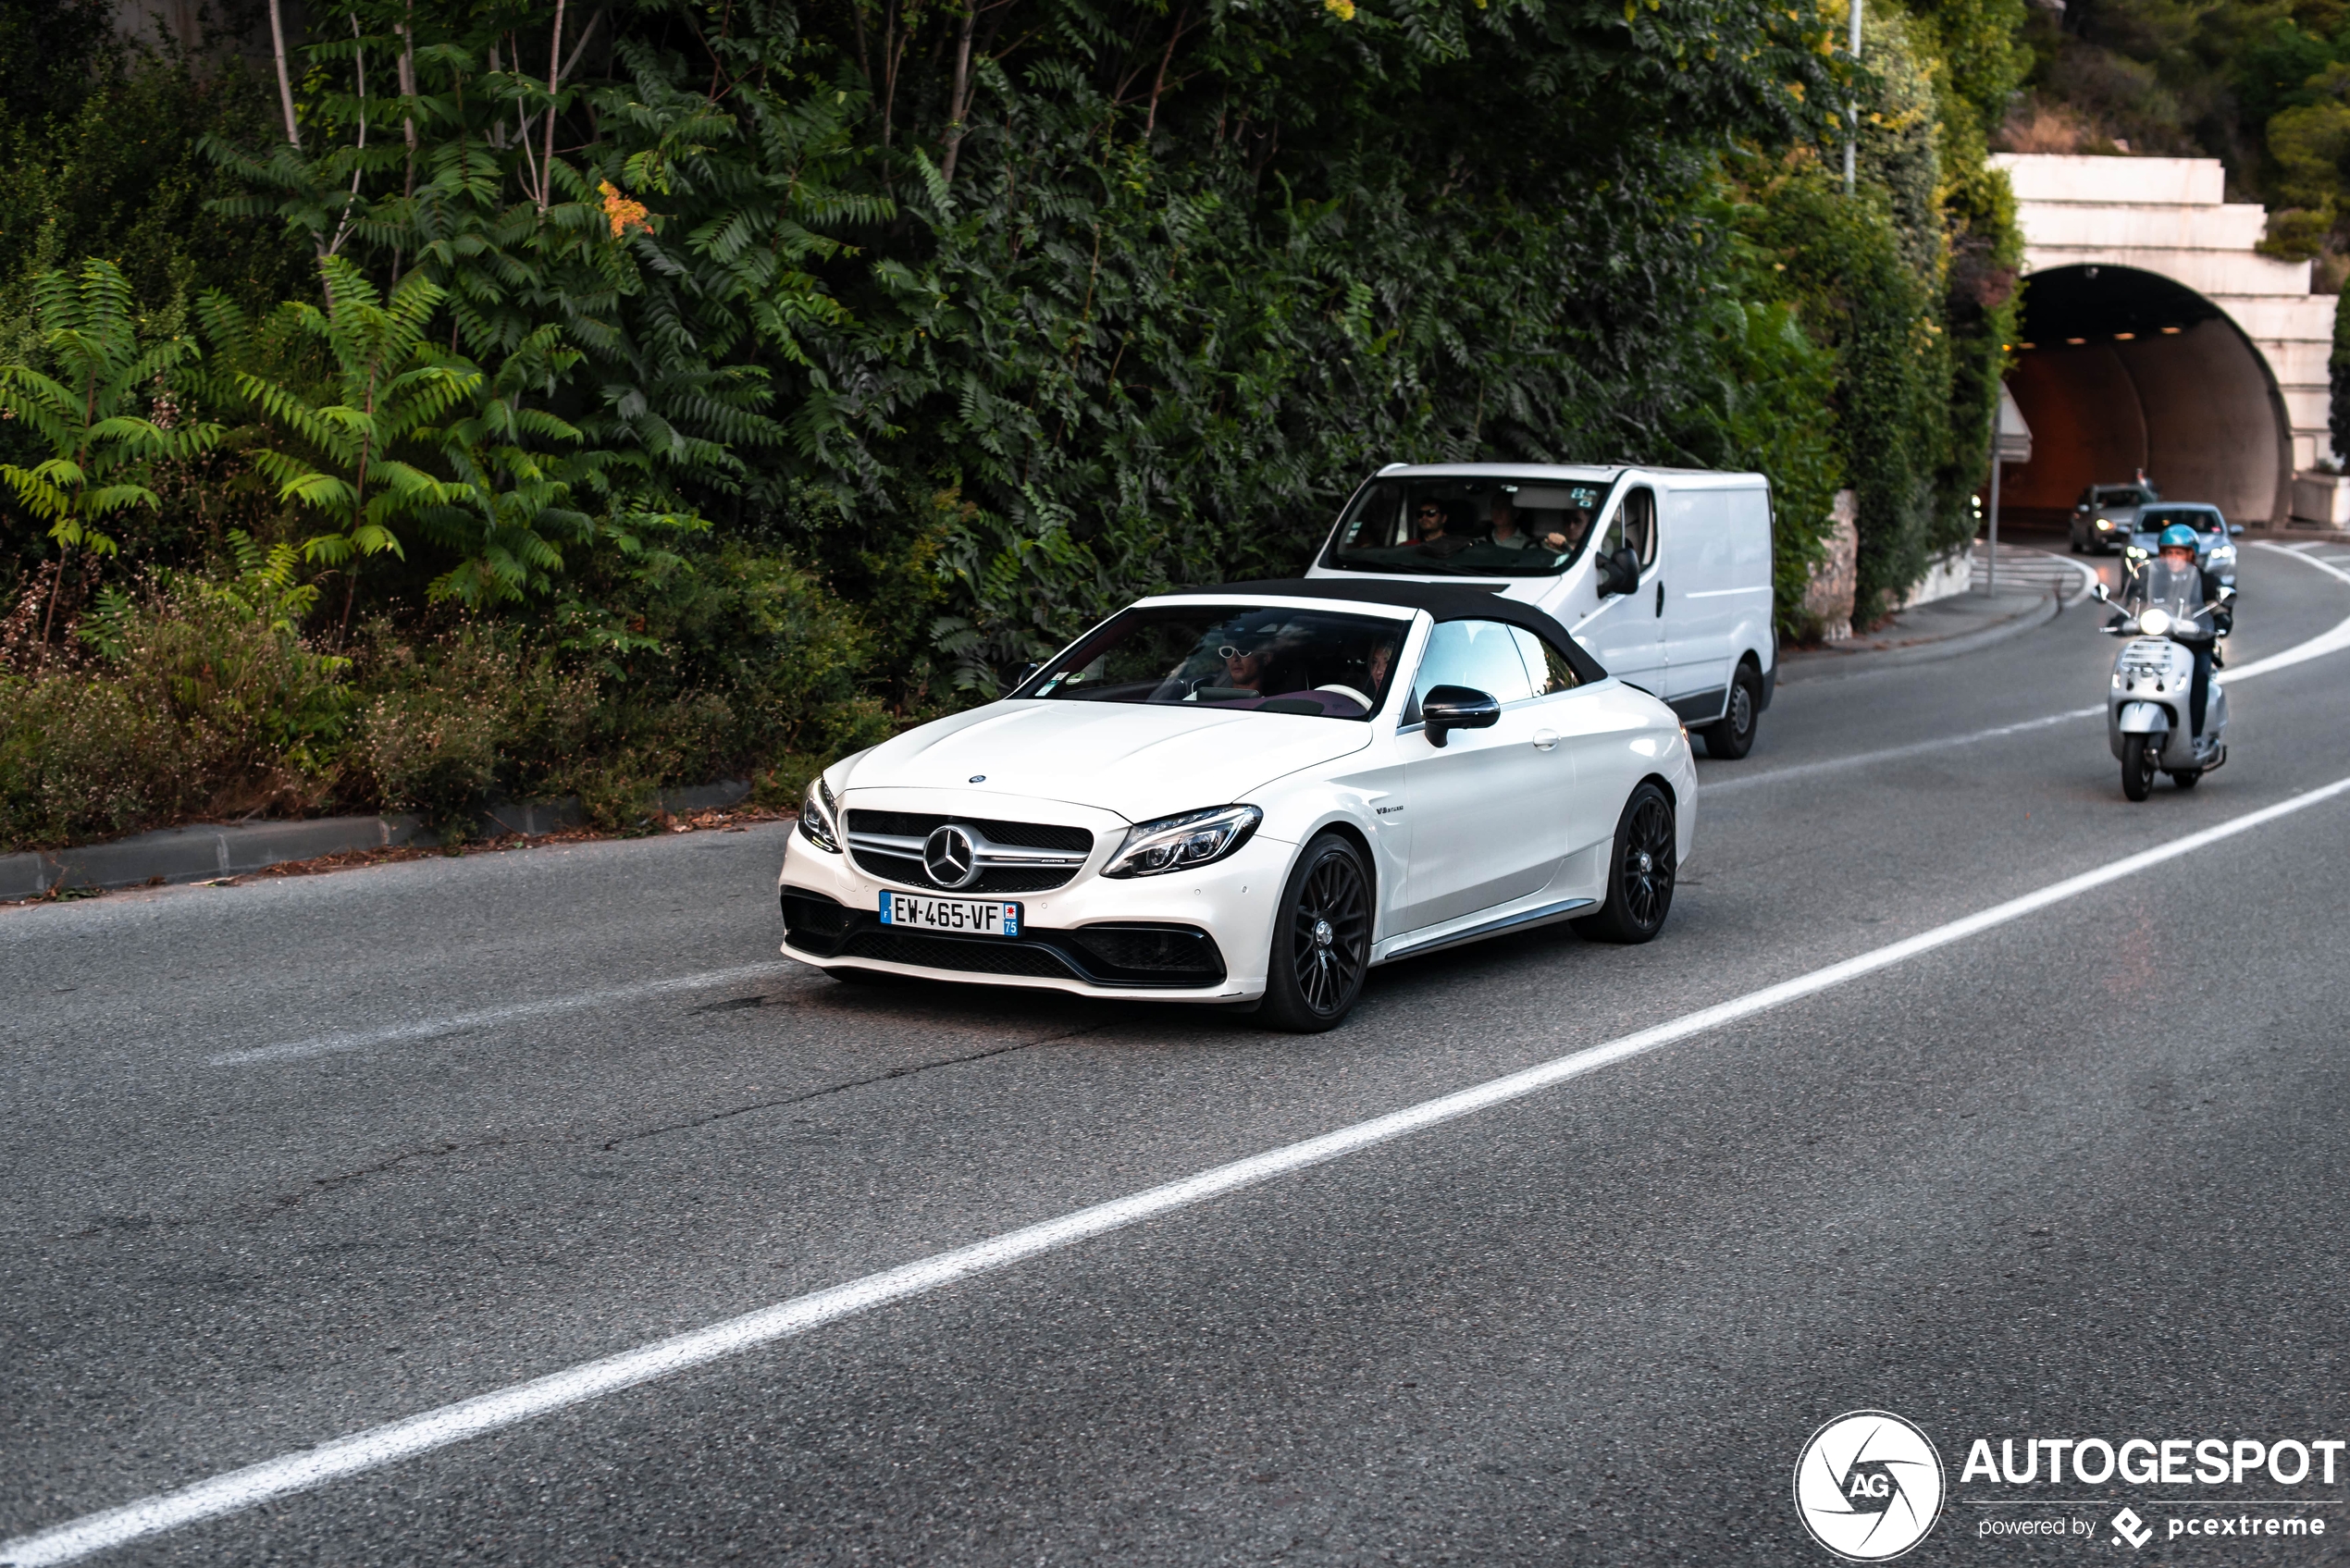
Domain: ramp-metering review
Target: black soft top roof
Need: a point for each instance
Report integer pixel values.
(1443, 601)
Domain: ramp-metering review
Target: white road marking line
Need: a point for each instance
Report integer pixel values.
(2327, 642)
(1916, 749)
(450, 1024)
(450, 1424)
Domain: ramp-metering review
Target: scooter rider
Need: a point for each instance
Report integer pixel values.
(2173, 577)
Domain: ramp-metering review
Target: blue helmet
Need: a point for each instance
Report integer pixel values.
(2176, 537)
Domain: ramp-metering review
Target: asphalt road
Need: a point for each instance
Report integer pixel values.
(290, 1160)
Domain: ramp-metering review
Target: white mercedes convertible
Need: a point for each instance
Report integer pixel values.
(1251, 795)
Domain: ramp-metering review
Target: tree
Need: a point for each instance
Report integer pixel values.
(102, 448)
(339, 394)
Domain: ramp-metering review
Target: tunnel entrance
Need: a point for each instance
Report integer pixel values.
(2119, 370)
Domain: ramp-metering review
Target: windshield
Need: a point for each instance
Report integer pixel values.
(1485, 527)
(1314, 662)
(2158, 518)
(2176, 591)
(2120, 495)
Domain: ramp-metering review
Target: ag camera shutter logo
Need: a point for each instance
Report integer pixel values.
(1868, 1485)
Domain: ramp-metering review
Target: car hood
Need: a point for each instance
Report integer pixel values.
(1138, 762)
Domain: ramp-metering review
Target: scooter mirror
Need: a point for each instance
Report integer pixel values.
(2102, 597)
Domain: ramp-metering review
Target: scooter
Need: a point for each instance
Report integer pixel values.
(2147, 720)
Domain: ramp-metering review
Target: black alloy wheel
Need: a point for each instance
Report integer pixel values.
(1322, 939)
(2137, 766)
(1640, 877)
(1732, 735)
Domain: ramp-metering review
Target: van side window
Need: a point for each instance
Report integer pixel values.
(1547, 665)
(1481, 655)
(1634, 528)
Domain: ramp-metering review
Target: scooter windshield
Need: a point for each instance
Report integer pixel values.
(2176, 591)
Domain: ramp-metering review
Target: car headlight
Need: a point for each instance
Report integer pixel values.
(818, 815)
(1179, 843)
(2155, 623)
(2223, 555)
(2105, 524)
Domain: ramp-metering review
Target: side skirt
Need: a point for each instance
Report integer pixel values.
(1542, 915)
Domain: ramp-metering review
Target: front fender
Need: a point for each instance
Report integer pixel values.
(2142, 719)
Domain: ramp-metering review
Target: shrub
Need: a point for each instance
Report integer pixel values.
(197, 696)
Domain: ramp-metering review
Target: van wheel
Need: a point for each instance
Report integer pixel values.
(1732, 735)
(1644, 861)
(1322, 939)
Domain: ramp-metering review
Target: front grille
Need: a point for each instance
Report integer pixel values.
(887, 845)
(907, 872)
(1025, 835)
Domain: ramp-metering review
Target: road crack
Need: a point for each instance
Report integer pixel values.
(908, 1070)
(444, 1149)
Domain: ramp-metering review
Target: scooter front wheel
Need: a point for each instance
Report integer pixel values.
(2137, 766)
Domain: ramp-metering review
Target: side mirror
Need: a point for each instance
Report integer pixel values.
(1620, 572)
(2226, 593)
(1446, 709)
(2099, 594)
(1026, 672)
(2234, 528)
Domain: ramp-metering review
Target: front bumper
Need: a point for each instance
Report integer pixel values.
(1200, 936)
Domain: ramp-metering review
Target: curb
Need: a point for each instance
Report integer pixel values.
(199, 853)
(1797, 669)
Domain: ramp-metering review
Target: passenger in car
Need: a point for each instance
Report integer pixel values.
(1507, 535)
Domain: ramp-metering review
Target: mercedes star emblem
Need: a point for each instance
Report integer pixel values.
(948, 856)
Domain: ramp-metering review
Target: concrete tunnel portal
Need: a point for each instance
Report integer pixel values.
(2119, 370)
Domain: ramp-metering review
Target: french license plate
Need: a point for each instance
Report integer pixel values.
(967, 916)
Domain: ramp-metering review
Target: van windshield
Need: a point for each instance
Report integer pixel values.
(1489, 525)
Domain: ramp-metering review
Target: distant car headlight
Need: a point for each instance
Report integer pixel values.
(2154, 624)
(1179, 843)
(2105, 524)
(818, 817)
(2223, 555)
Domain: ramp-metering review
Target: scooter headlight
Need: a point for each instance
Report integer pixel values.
(1179, 843)
(2155, 623)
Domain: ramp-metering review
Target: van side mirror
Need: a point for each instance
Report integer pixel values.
(1446, 709)
(1619, 573)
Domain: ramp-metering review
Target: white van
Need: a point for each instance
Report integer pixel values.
(1663, 574)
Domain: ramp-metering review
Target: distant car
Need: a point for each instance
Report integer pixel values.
(2106, 515)
(2214, 549)
(1251, 794)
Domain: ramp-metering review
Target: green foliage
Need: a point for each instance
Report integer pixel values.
(204, 699)
(101, 447)
(336, 396)
(2338, 370)
(1842, 261)
(717, 386)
